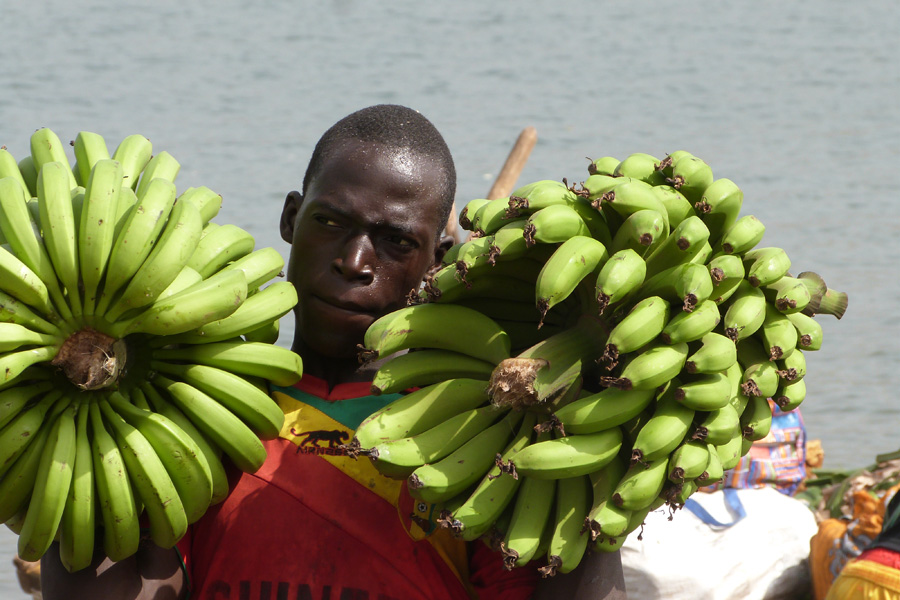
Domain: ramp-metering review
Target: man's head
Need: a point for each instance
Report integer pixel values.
(366, 226)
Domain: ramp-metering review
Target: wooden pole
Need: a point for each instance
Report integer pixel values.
(515, 162)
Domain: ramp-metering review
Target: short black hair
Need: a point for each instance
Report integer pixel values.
(396, 127)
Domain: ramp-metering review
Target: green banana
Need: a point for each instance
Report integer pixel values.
(720, 425)
(641, 484)
(756, 420)
(620, 277)
(426, 367)
(792, 366)
(642, 231)
(678, 208)
(530, 517)
(19, 432)
(51, 488)
(490, 217)
(29, 175)
(808, 330)
(13, 336)
(96, 232)
(23, 236)
(219, 424)
(191, 309)
(440, 326)
(279, 365)
(225, 244)
(421, 410)
(596, 186)
(716, 353)
(115, 496)
(572, 262)
(568, 456)
(713, 472)
(76, 530)
(468, 212)
(605, 165)
(692, 326)
(259, 266)
(207, 202)
(789, 294)
(177, 451)
(688, 461)
(640, 165)
(555, 223)
(137, 238)
(631, 196)
(13, 310)
(568, 543)
(682, 245)
(148, 398)
(46, 147)
(10, 168)
(133, 152)
(14, 399)
(400, 457)
(652, 367)
(760, 377)
(252, 405)
(166, 515)
(14, 364)
(719, 206)
(603, 410)
(90, 148)
(691, 176)
(465, 466)
(746, 233)
(746, 312)
(265, 306)
(169, 256)
(475, 515)
(730, 452)
(59, 228)
(766, 265)
(161, 166)
(790, 394)
(604, 517)
(17, 483)
(643, 323)
(778, 333)
(705, 392)
(664, 430)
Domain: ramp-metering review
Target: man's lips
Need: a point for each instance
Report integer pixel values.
(350, 307)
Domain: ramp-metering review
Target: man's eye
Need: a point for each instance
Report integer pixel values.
(401, 241)
(326, 221)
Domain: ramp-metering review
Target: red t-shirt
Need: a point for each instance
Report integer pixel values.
(314, 523)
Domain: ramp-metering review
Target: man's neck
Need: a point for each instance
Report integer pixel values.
(334, 371)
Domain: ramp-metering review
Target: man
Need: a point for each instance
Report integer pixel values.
(314, 522)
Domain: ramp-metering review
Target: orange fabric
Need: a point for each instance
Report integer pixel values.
(824, 560)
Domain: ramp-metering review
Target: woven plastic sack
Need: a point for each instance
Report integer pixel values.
(761, 555)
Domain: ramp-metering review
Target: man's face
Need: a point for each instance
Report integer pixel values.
(362, 238)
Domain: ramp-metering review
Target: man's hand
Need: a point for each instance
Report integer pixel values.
(153, 573)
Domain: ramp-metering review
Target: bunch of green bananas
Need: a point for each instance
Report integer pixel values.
(136, 347)
(589, 355)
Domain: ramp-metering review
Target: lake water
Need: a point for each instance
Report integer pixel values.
(796, 102)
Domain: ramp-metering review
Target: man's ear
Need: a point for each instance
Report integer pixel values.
(441, 249)
(292, 204)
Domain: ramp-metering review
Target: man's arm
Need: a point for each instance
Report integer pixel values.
(153, 573)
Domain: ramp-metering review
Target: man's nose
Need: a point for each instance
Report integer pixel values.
(357, 261)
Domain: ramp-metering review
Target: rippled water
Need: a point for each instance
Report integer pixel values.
(796, 102)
